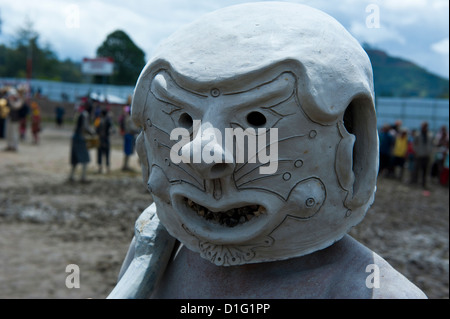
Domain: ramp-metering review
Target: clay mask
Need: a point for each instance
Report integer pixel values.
(259, 138)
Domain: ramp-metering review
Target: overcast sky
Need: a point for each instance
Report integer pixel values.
(416, 30)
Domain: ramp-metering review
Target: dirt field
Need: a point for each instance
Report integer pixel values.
(47, 223)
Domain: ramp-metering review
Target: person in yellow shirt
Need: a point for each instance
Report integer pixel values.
(399, 152)
(4, 112)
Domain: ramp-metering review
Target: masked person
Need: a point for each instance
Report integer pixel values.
(259, 147)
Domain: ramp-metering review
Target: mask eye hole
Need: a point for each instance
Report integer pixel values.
(256, 119)
(185, 121)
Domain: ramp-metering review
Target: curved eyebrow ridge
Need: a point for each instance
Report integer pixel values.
(165, 89)
(271, 93)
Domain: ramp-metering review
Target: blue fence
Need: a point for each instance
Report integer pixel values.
(412, 112)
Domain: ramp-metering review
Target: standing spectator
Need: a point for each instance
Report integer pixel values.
(23, 117)
(411, 153)
(35, 121)
(444, 173)
(97, 111)
(124, 115)
(79, 151)
(122, 118)
(441, 137)
(396, 127)
(130, 131)
(59, 115)
(104, 129)
(4, 111)
(423, 145)
(24, 111)
(399, 152)
(440, 144)
(386, 143)
(15, 103)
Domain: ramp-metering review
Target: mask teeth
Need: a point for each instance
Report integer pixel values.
(230, 218)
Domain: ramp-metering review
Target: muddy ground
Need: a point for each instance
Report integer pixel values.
(47, 223)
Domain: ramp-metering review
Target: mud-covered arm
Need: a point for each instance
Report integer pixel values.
(146, 260)
(128, 258)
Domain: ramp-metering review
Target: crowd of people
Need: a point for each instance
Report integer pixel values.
(423, 154)
(16, 111)
(93, 127)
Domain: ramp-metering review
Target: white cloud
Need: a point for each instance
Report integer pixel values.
(375, 35)
(441, 47)
(401, 5)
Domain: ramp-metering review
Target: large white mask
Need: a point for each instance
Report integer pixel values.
(290, 69)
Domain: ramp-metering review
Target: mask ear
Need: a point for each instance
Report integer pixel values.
(357, 154)
(142, 153)
(344, 159)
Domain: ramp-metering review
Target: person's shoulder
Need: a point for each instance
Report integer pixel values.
(392, 284)
(365, 274)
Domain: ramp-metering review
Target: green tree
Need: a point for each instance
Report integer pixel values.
(129, 59)
(70, 71)
(44, 62)
(13, 58)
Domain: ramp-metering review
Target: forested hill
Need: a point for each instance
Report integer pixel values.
(401, 78)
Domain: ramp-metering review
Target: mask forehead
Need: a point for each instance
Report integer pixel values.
(246, 38)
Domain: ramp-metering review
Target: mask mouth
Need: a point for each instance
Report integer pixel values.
(229, 218)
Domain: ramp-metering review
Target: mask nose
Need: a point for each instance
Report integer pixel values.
(207, 154)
